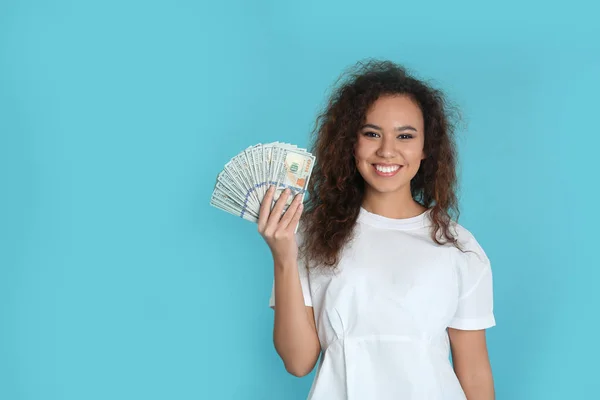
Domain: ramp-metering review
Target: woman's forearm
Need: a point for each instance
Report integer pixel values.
(294, 334)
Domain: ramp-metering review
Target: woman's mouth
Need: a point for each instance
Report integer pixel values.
(387, 170)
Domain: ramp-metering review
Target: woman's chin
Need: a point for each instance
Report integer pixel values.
(385, 189)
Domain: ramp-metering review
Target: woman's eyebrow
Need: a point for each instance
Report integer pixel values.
(398, 128)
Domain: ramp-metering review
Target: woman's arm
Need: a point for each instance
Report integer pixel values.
(294, 333)
(472, 363)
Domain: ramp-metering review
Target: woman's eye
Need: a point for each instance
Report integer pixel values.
(407, 136)
(371, 134)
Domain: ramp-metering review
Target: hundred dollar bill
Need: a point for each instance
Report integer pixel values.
(293, 172)
(242, 184)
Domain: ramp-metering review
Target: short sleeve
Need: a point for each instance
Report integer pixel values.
(304, 279)
(476, 299)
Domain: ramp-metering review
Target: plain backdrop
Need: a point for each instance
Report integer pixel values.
(119, 281)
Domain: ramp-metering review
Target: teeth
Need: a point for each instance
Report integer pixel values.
(387, 170)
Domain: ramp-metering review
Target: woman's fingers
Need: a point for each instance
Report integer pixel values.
(277, 211)
(296, 218)
(265, 209)
(290, 212)
(269, 220)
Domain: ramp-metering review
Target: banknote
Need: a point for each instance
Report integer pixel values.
(243, 183)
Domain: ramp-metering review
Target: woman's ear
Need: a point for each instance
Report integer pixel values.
(354, 155)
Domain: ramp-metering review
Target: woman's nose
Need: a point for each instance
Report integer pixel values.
(386, 148)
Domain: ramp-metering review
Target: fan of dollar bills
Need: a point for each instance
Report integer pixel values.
(241, 186)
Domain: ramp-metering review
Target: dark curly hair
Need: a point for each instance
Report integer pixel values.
(336, 188)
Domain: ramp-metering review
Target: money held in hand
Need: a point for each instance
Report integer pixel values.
(244, 181)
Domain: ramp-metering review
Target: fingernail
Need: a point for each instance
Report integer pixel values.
(287, 191)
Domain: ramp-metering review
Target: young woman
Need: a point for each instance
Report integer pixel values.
(386, 283)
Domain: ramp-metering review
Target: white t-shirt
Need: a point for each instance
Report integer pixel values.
(382, 315)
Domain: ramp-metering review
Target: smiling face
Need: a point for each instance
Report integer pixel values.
(389, 149)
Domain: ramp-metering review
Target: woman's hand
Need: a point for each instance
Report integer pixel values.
(277, 229)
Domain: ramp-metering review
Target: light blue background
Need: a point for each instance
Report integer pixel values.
(119, 281)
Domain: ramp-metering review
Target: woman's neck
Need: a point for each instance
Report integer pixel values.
(392, 205)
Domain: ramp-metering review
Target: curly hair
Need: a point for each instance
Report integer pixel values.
(336, 188)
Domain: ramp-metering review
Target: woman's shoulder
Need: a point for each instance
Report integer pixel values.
(469, 247)
(462, 233)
